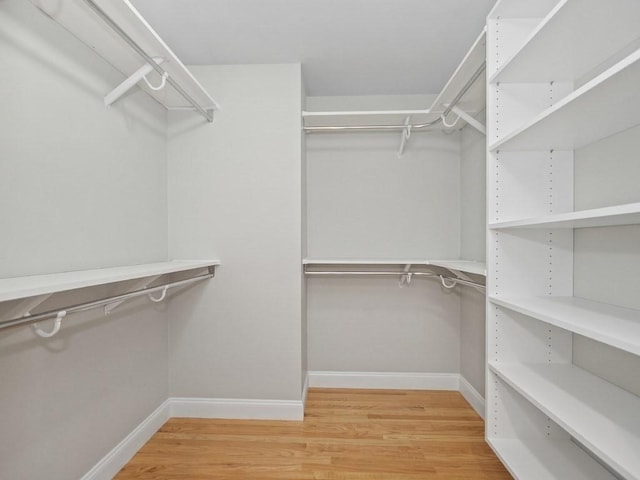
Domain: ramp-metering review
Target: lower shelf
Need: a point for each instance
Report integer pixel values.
(599, 415)
(547, 459)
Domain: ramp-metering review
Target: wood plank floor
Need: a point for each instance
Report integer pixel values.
(346, 435)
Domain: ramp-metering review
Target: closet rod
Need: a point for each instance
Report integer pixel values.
(116, 28)
(420, 126)
(102, 302)
(396, 274)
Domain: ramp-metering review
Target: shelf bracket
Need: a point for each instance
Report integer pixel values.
(132, 81)
(470, 120)
(24, 307)
(406, 134)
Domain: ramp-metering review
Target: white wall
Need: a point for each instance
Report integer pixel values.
(607, 260)
(80, 187)
(235, 192)
(365, 202)
(472, 247)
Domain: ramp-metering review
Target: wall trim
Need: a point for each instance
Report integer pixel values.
(305, 389)
(385, 380)
(472, 396)
(118, 457)
(245, 409)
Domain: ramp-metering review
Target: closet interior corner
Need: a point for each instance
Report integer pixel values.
(219, 229)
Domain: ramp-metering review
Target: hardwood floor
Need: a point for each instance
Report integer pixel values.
(346, 435)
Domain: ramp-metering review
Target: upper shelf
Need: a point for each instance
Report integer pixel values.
(90, 21)
(606, 105)
(471, 70)
(587, 32)
(23, 287)
(628, 214)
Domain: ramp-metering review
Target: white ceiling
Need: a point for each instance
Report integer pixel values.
(346, 47)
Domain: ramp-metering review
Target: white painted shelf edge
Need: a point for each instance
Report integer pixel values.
(464, 266)
(22, 287)
(627, 214)
(599, 415)
(591, 127)
(608, 324)
(551, 459)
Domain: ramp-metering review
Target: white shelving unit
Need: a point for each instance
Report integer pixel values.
(118, 33)
(562, 75)
(22, 287)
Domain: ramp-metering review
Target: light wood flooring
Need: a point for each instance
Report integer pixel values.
(346, 435)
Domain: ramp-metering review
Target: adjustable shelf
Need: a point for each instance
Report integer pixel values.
(607, 104)
(22, 287)
(628, 214)
(599, 415)
(586, 31)
(549, 459)
(608, 324)
(118, 33)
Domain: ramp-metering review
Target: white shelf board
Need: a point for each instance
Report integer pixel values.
(550, 459)
(23, 287)
(602, 417)
(608, 324)
(585, 31)
(628, 214)
(606, 105)
(475, 99)
(359, 262)
(78, 18)
(464, 266)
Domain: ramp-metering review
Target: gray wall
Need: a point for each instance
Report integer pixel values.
(606, 260)
(80, 187)
(235, 192)
(365, 202)
(472, 247)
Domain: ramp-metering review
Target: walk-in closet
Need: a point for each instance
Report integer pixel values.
(266, 239)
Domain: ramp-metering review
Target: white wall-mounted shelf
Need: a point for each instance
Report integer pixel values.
(600, 416)
(475, 99)
(22, 287)
(628, 214)
(81, 19)
(586, 31)
(549, 460)
(608, 324)
(605, 105)
(463, 266)
(357, 262)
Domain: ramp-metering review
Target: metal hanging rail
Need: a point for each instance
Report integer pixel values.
(208, 114)
(401, 274)
(399, 127)
(82, 307)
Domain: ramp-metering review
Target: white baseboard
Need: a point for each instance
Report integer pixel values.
(110, 465)
(305, 390)
(472, 396)
(246, 409)
(385, 380)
